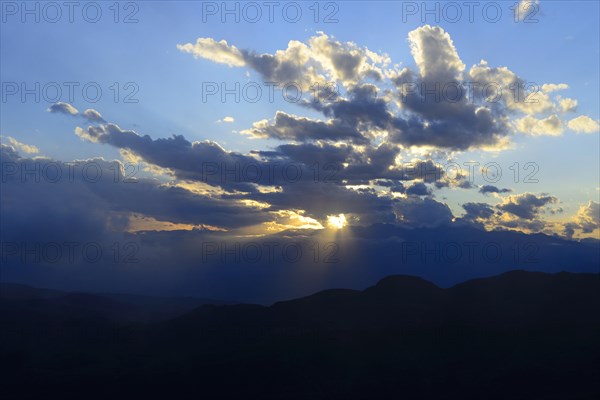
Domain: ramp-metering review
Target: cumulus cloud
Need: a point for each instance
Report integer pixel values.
(435, 54)
(367, 110)
(320, 60)
(89, 114)
(526, 205)
(583, 124)
(227, 120)
(587, 219)
(381, 115)
(553, 87)
(20, 147)
(63, 108)
(477, 211)
(418, 189)
(550, 126)
(567, 104)
(501, 87)
(92, 116)
(522, 212)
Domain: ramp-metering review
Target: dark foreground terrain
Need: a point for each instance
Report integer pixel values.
(520, 335)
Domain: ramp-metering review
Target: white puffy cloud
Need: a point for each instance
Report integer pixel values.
(583, 124)
(567, 104)
(435, 54)
(21, 147)
(500, 83)
(319, 61)
(553, 87)
(550, 126)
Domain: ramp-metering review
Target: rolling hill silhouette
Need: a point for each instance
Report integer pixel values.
(519, 335)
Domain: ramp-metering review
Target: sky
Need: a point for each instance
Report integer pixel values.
(359, 119)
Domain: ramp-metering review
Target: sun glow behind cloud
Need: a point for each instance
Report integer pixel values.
(336, 221)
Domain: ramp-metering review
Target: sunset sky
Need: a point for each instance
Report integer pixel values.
(349, 157)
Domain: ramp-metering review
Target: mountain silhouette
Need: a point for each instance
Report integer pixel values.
(519, 335)
(109, 306)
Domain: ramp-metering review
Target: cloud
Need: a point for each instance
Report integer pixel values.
(320, 60)
(527, 9)
(567, 104)
(477, 211)
(205, 161)
(290, 127)
(485, 189)
(418, 189)
(210, 49)
(72, 195)
(350, 85)
(553, 87)
(583, 124)
(90, 114)
(506, 92)
(346, 62)
(350, 159)
(526, 205)
(227, 120)
(588, 216)
(63, 108)
(319, 190)
(435, 54)
(21, 147)
(550, 126)
(418, 212)
(587, 219)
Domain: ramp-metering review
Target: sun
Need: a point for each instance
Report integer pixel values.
(336, 221)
